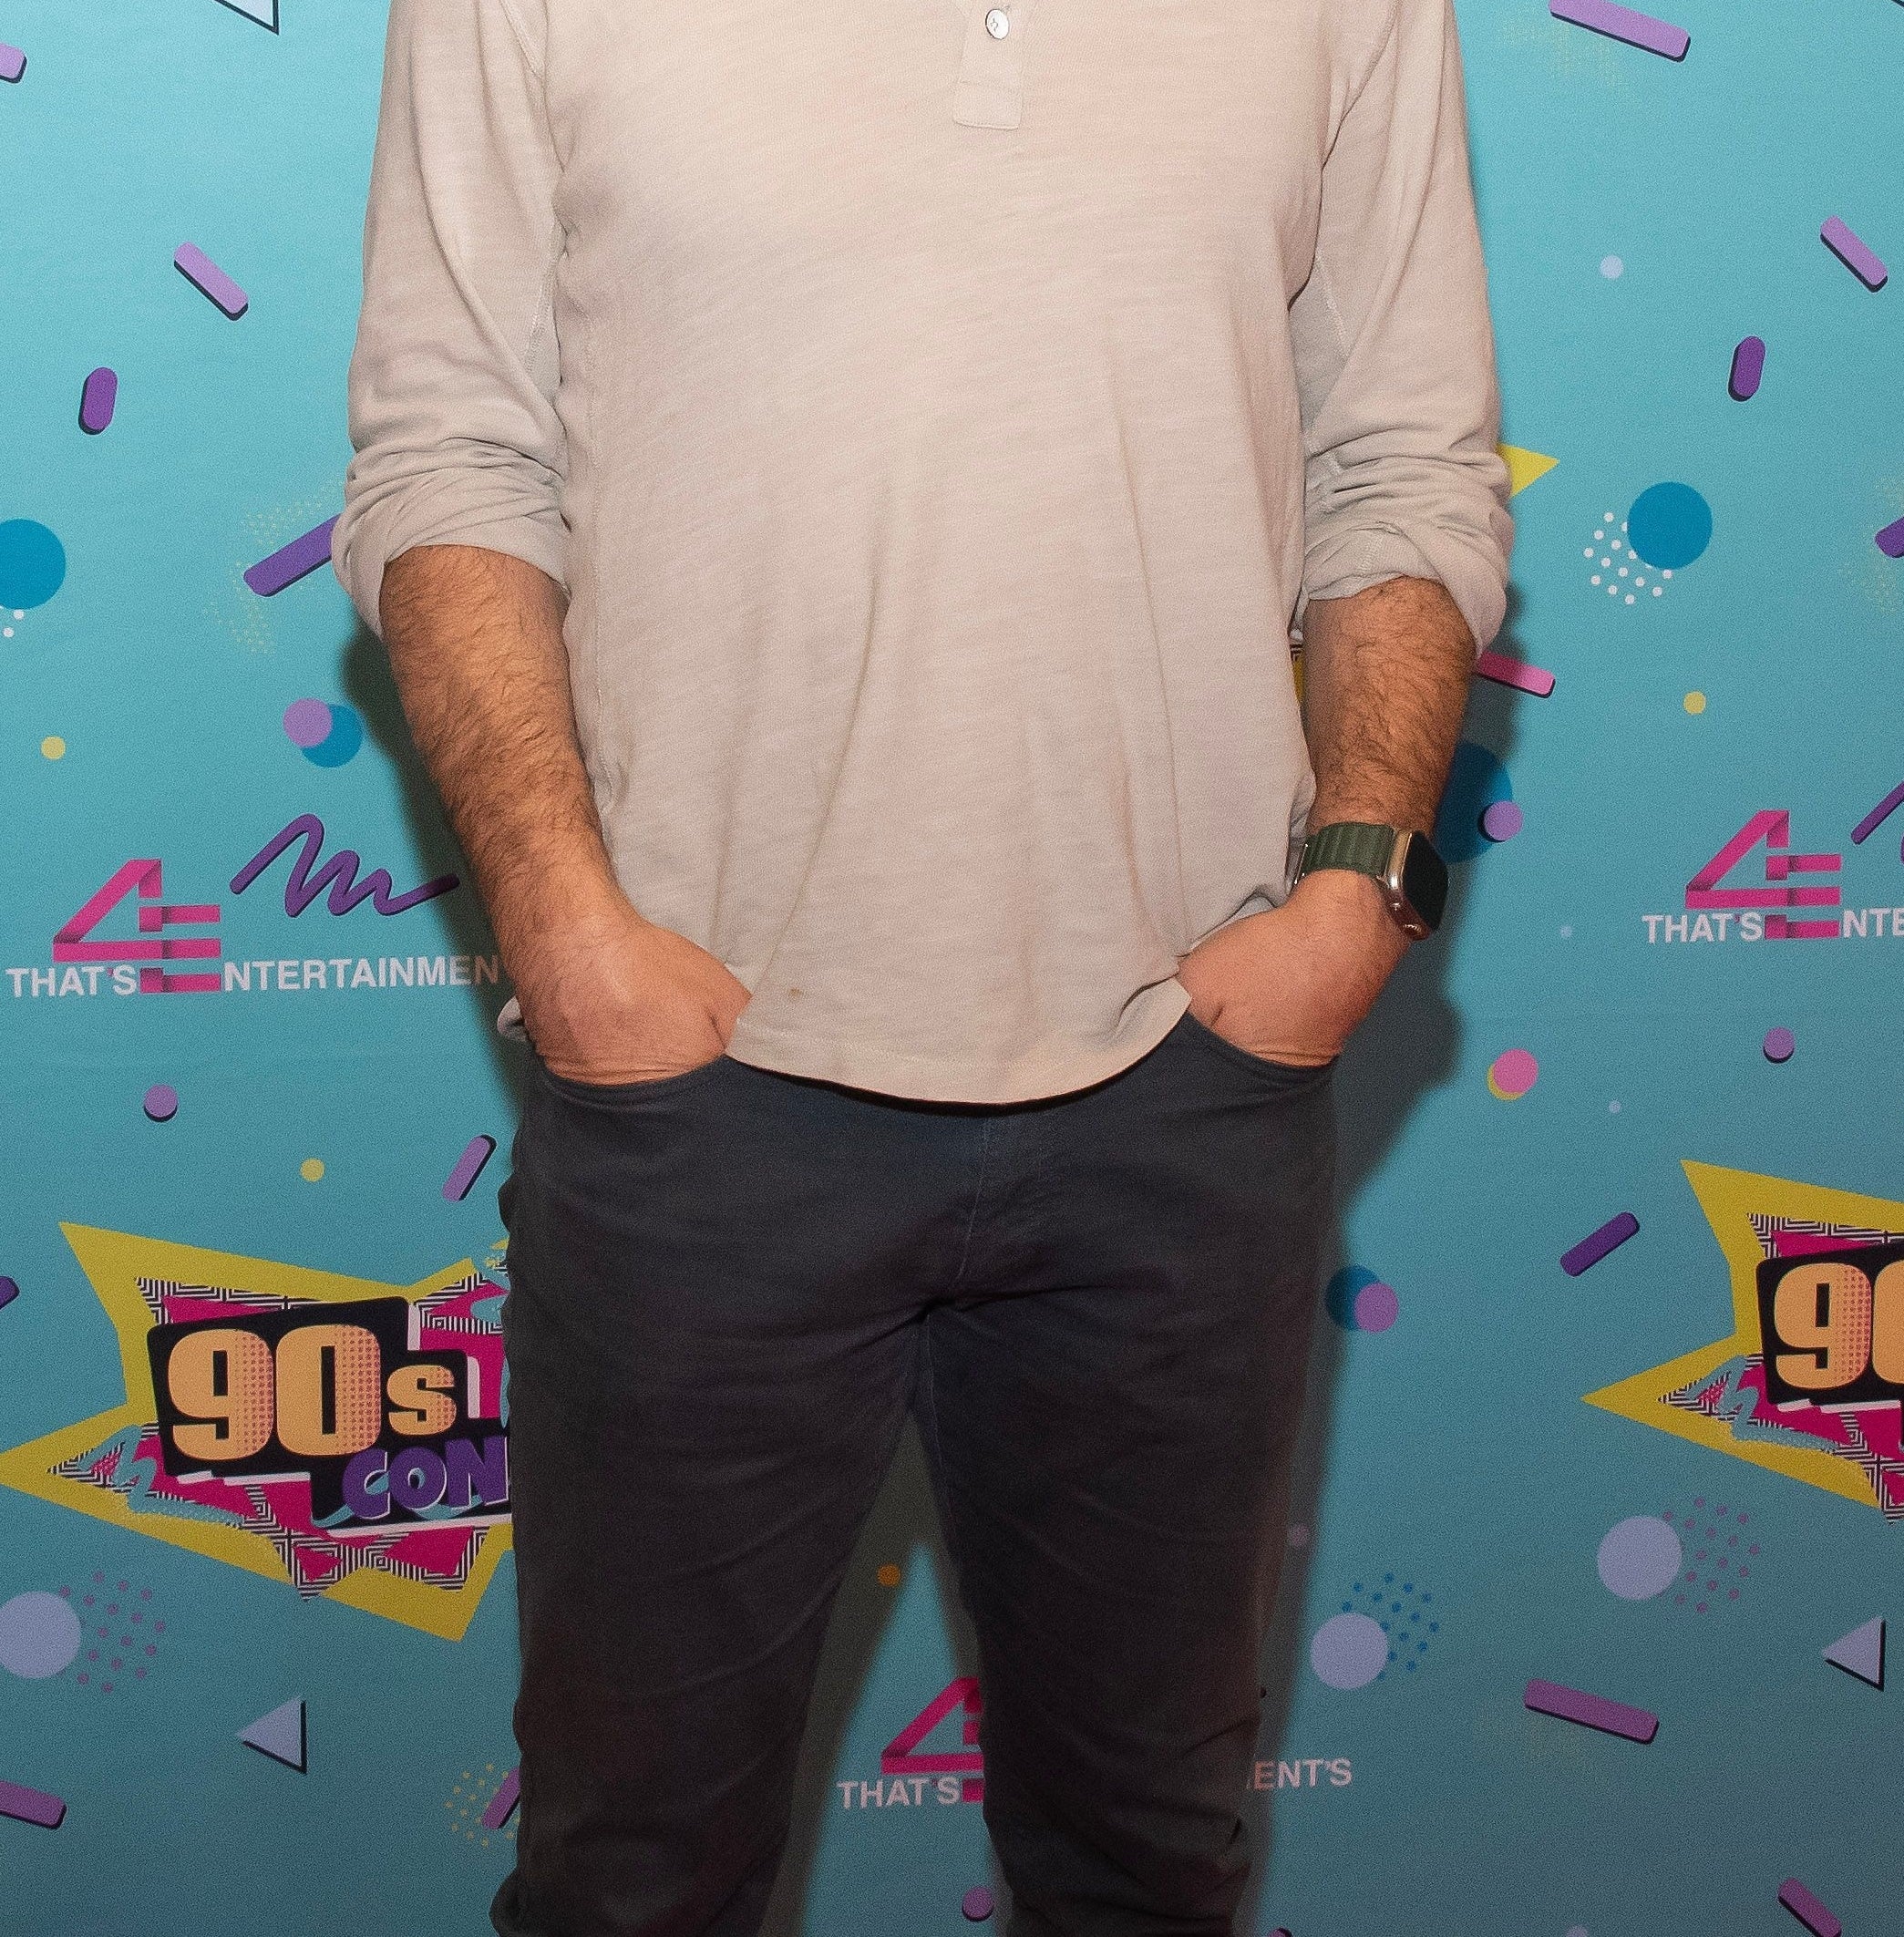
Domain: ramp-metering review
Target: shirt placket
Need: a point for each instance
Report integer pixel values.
(991, 89)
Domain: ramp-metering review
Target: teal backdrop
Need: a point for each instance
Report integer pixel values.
(1658, 1040)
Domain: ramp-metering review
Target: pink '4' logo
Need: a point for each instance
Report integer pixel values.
(902, 1756)
(1774, 828)
(72, 941)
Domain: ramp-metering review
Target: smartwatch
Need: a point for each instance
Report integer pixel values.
(1414, 877)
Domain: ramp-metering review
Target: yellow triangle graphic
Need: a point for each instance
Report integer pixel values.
(1525, 466)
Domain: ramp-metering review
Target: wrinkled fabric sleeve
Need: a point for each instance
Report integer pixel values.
(1394, 346)
(452, 383)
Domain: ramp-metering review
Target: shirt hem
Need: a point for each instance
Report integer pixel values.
(1037, 1074)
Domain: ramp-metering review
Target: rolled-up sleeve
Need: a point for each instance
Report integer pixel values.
(1394, 347)
(453, 378)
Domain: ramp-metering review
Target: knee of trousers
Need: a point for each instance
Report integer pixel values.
(1159, 1826)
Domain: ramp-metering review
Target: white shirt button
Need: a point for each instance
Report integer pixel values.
(998, 22)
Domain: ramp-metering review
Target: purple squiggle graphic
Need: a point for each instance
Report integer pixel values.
(339, 874)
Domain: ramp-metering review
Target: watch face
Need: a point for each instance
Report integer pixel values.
(1425, 882)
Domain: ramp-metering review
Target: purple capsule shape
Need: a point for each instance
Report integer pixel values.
(1591, 1711)
(1596, 1244)
(1621, 22)
(1854, 252)
(502, 1805)
(467, 1168)
(203, 273)
(1808, 1911)
(98, 400)
(31, 1805)
(1890, 541)
(1748, 365)
(291, 563)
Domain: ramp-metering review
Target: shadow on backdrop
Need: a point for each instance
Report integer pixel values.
(1410, 1045)
(365, 682)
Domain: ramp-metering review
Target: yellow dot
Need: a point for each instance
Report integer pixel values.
(1696, 701)
(53, 747)
(311, 1169)
(889, 1575)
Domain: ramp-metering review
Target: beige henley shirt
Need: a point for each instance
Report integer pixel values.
(939, 413)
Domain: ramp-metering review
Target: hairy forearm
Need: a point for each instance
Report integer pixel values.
(475, 640)
(1386, 676)
(1384, 685)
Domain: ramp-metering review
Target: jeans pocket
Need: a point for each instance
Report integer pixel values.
(1291, 1076)
(618, 1096)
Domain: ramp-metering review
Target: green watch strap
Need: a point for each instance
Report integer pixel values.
(1357, 845)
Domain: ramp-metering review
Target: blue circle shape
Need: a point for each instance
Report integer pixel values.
(343, 741)
(1339, 1299)
(1669, 525)
(33, 563)
(1475, 781)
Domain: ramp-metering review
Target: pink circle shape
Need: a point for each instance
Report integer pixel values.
(1779, 1044)
(307, 722)
(161, 1105)
(975, 1905)
(1501, 820)
(1514, 1071)
(1376, 1307)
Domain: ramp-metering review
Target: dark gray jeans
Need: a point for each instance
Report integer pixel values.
(728, 1288)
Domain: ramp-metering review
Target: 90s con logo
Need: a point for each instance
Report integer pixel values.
(1833, 1326)
(385, 1433)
